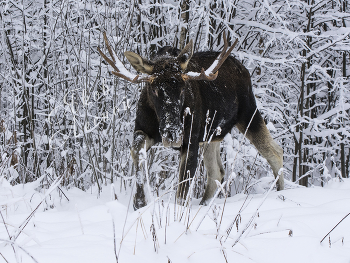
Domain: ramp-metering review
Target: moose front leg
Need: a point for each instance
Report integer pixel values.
(215, 170)
(140, 140)
(188, 166)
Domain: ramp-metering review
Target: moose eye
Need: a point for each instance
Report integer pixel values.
(155, 91)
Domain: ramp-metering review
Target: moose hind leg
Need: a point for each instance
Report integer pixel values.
(140, 140)
(260, 137)
(215, 170)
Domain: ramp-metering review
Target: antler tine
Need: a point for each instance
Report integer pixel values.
(108, 46)
(212, 72)
(109, 61)
(119, 69)
(225, 44)
(223, 55)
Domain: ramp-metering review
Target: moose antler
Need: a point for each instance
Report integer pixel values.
(212, 72)
(119, 69)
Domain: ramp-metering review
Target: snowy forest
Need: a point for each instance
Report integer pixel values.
(64, 115)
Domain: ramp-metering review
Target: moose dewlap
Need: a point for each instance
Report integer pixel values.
(181, 88)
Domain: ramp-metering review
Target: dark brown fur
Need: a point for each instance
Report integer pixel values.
(229, 101)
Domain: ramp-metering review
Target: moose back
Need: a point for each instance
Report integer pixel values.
(178, 99)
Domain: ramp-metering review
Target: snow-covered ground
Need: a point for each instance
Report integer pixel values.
(287, 228)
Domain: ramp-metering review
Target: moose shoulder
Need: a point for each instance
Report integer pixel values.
(178, 99)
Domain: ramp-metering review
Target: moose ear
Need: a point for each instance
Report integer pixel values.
(140, 64)
(185, 55)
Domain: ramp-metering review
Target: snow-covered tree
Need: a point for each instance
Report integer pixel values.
(63, 114)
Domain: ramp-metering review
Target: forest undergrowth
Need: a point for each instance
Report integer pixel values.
(64, 116)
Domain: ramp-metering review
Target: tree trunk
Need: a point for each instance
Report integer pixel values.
(300, 126)
(342, 145)
(184, 21)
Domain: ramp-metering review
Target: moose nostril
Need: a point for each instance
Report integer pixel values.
(169, 136)
(172, 137)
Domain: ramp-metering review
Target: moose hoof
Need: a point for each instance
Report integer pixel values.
(138, 203)
(280, 186)
(205, 201)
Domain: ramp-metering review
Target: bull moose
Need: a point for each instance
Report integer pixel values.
(174, 105)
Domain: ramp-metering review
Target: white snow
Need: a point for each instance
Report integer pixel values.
(211, 68)
(193, 74)
(289, 227)
(122, 69)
